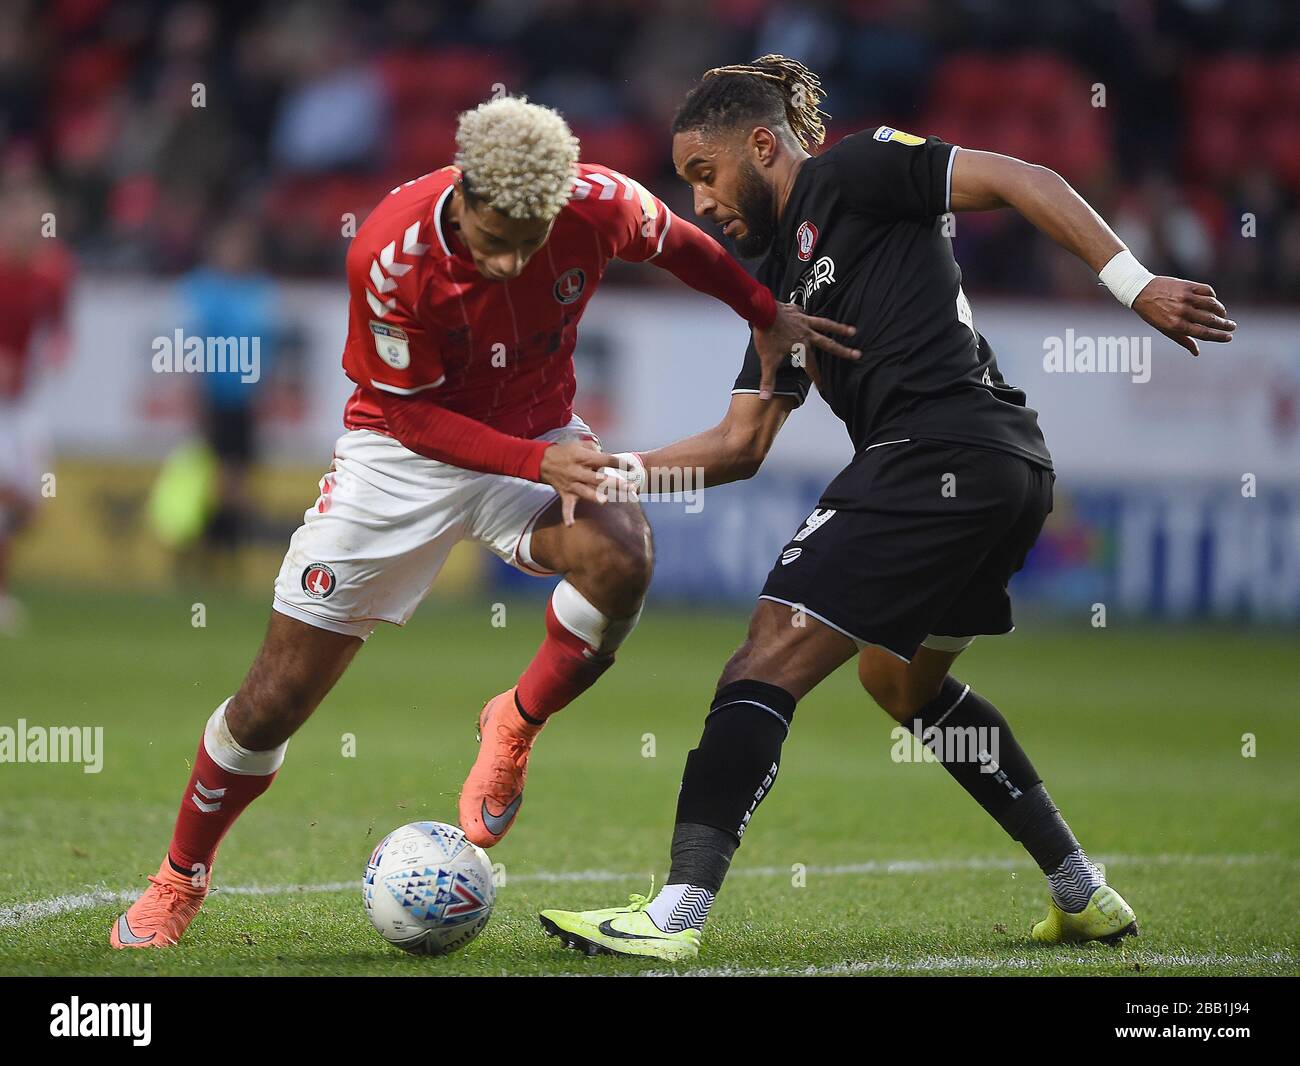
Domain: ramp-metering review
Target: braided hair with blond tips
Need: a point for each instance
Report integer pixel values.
(772, 91)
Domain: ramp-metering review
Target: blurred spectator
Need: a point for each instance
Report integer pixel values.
(35, 277)
(333, 113)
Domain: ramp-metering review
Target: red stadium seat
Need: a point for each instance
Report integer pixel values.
(1216, 147)
(626, 147)
(88, 76)
(423, 141)
(1036, 106)
(1280, 146)
(1286, 83)
(968, 81)
(445, 80)
(1041, 80)
(1237, 85)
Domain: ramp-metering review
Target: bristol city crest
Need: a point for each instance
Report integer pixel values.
(318, 581)
(804, 239)
(569, 285)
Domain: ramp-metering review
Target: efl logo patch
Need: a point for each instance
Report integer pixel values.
(804, 239)
(392, 345)
(318, 581)
(888, 133)
(569, 285)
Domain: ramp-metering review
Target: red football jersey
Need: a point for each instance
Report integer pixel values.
(33, 293)
(421, 317)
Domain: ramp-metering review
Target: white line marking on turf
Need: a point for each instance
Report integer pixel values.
(980, 964)
(25, 913)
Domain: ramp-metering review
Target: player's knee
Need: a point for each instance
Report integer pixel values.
(888, 688)
(751, 660)
(624, 556)
(735, 670)
(896, 691)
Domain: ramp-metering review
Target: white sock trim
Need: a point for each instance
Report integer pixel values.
(226, 752)
(939, 721)
(581, 618)
(679, 907)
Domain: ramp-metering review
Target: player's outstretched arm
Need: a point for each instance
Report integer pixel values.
(733, 450)
(1184, 311)
(781, 331)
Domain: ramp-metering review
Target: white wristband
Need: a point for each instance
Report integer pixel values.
(1125, 277)
(630, 474)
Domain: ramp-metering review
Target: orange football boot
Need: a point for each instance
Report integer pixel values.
(159, 917)
(494, 789)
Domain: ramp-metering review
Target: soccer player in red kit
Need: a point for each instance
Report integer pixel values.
(35, 277)
(465, 291)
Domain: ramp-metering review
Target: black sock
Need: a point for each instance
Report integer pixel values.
(976, 746)
(701, 855)
(726, 777)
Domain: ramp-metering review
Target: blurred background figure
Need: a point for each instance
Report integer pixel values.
(229, 296)
(35, 277)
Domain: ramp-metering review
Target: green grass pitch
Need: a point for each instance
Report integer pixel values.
(854, 864)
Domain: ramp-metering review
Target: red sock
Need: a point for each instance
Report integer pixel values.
(561, 671)
(215, 796)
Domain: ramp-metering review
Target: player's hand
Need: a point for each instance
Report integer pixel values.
(574, 470)
(1185, 312)
(795, 334)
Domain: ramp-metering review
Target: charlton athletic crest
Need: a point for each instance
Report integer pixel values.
(318, 581)
(805, 237)
(569, 285)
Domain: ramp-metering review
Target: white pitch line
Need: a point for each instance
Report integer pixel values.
(980, 964)
(38, 910)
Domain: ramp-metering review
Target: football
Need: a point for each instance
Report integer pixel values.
(427, 889)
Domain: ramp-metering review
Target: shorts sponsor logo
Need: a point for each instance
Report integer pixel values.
(569, 285)
(318, 581)
(392, 345)
(815, 521)
(805, 238)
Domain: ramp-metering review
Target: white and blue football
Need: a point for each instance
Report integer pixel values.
(427, 889)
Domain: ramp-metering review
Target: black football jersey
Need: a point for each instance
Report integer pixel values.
(862, 241)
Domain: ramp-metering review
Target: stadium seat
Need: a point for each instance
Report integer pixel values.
(447, 80)
(626, 147)
(1280, 141)
(1236, 85)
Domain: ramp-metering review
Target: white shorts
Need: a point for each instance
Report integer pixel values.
(369, 549)
(24, 453)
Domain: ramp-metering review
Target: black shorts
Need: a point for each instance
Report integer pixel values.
(231, 433)
(915, 539)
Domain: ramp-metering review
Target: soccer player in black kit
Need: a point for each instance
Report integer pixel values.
(907, 556)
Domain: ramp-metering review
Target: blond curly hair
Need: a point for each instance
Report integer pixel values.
(517, 157)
